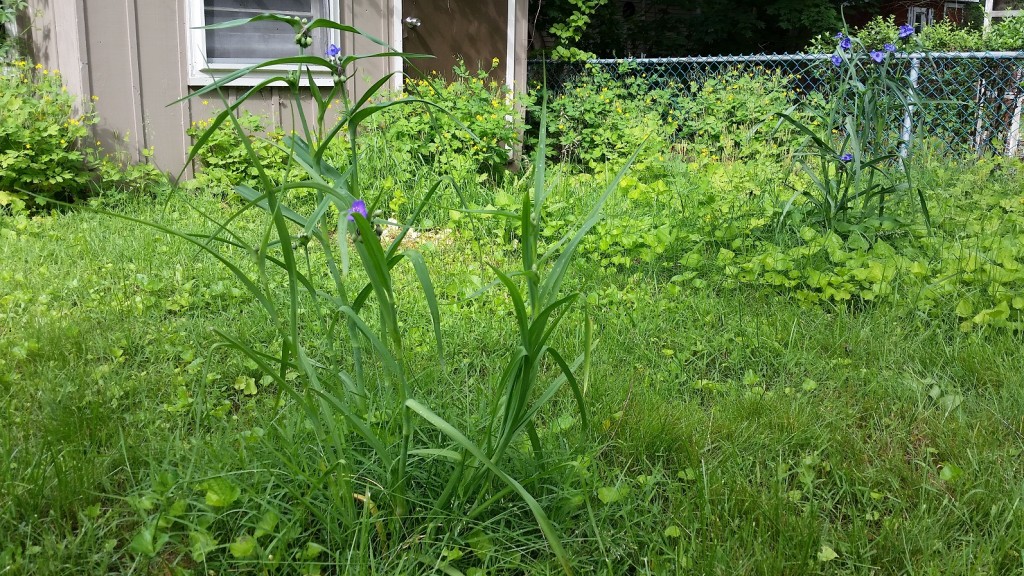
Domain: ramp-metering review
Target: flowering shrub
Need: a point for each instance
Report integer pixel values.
(40, 134)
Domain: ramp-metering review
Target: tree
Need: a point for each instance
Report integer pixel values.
(682, 27)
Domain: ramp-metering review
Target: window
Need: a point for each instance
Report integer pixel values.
(920, 17)
(215, 53)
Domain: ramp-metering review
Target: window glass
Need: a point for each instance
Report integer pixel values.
(259, 40)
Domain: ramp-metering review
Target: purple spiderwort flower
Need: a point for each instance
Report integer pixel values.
(845, 44)
(333, 51)
(837, 60)
(358, 207)
(877, 55)
(846, 157)
(840, 35)
(906, 31)
(890, 47)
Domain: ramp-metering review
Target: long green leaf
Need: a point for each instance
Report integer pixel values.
(545, 525)
(428, 292)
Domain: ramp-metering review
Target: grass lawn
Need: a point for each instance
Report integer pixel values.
(734, 429)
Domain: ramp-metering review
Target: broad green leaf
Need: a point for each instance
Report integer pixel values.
(612, 494)
(827, 554)
(267, 523)
(950, 472)
(220, 492)
(201, 543)
(243, 546)
(148, 541)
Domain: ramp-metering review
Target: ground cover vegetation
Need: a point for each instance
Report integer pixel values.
(701, 331)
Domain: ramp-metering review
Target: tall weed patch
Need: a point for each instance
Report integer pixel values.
(327, 286)
(854, 164)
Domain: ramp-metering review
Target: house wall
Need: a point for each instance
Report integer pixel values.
(899, 9)
(132, 56)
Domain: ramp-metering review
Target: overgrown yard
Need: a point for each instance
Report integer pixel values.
(682, 345)
(733, 428)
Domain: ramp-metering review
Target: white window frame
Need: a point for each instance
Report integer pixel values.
(202, 73)
(927, 12)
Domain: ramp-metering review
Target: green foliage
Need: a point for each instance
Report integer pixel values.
(117, 179)
(571, 28)
(944, 36)
(731, 115)
(463, 131)
(853, 162)
(106, 358)
(468, 133)
(354, 379)
(40, 139)
(225, 160)
(599, 119)
(1007, 34)
(8, 13)
(297, 437)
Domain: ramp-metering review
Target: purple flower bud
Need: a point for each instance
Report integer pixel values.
(889, 47)
(877, 55)
(906, 31)
(358, 207)
(840, 35)
(837, 60)
(333, 51)
(846, 157)
(845, 44)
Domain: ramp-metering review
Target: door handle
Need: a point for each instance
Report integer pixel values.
(412, 22)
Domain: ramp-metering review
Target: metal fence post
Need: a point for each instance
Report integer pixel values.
(908, 116)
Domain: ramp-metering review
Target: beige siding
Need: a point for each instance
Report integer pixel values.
(114, 74)
(133, 56)
(56, 40)
(162, 72)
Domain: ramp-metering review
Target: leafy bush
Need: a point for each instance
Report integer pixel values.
(8, 12)
(1007, 34)
(224, 159)
(600, 119)
(944, 36)
(469, 133)
(118, 179)
(732, 114)
(464, 130)
(41, 155)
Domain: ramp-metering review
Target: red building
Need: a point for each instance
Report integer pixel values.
(918, 13)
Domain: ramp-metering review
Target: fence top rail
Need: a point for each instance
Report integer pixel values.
(799, 58)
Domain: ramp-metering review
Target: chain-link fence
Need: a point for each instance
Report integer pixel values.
(974, 100)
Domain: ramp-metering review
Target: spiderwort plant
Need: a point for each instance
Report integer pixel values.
(852, 157)
(332, 388)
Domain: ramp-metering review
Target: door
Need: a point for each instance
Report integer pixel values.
(477, 31)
